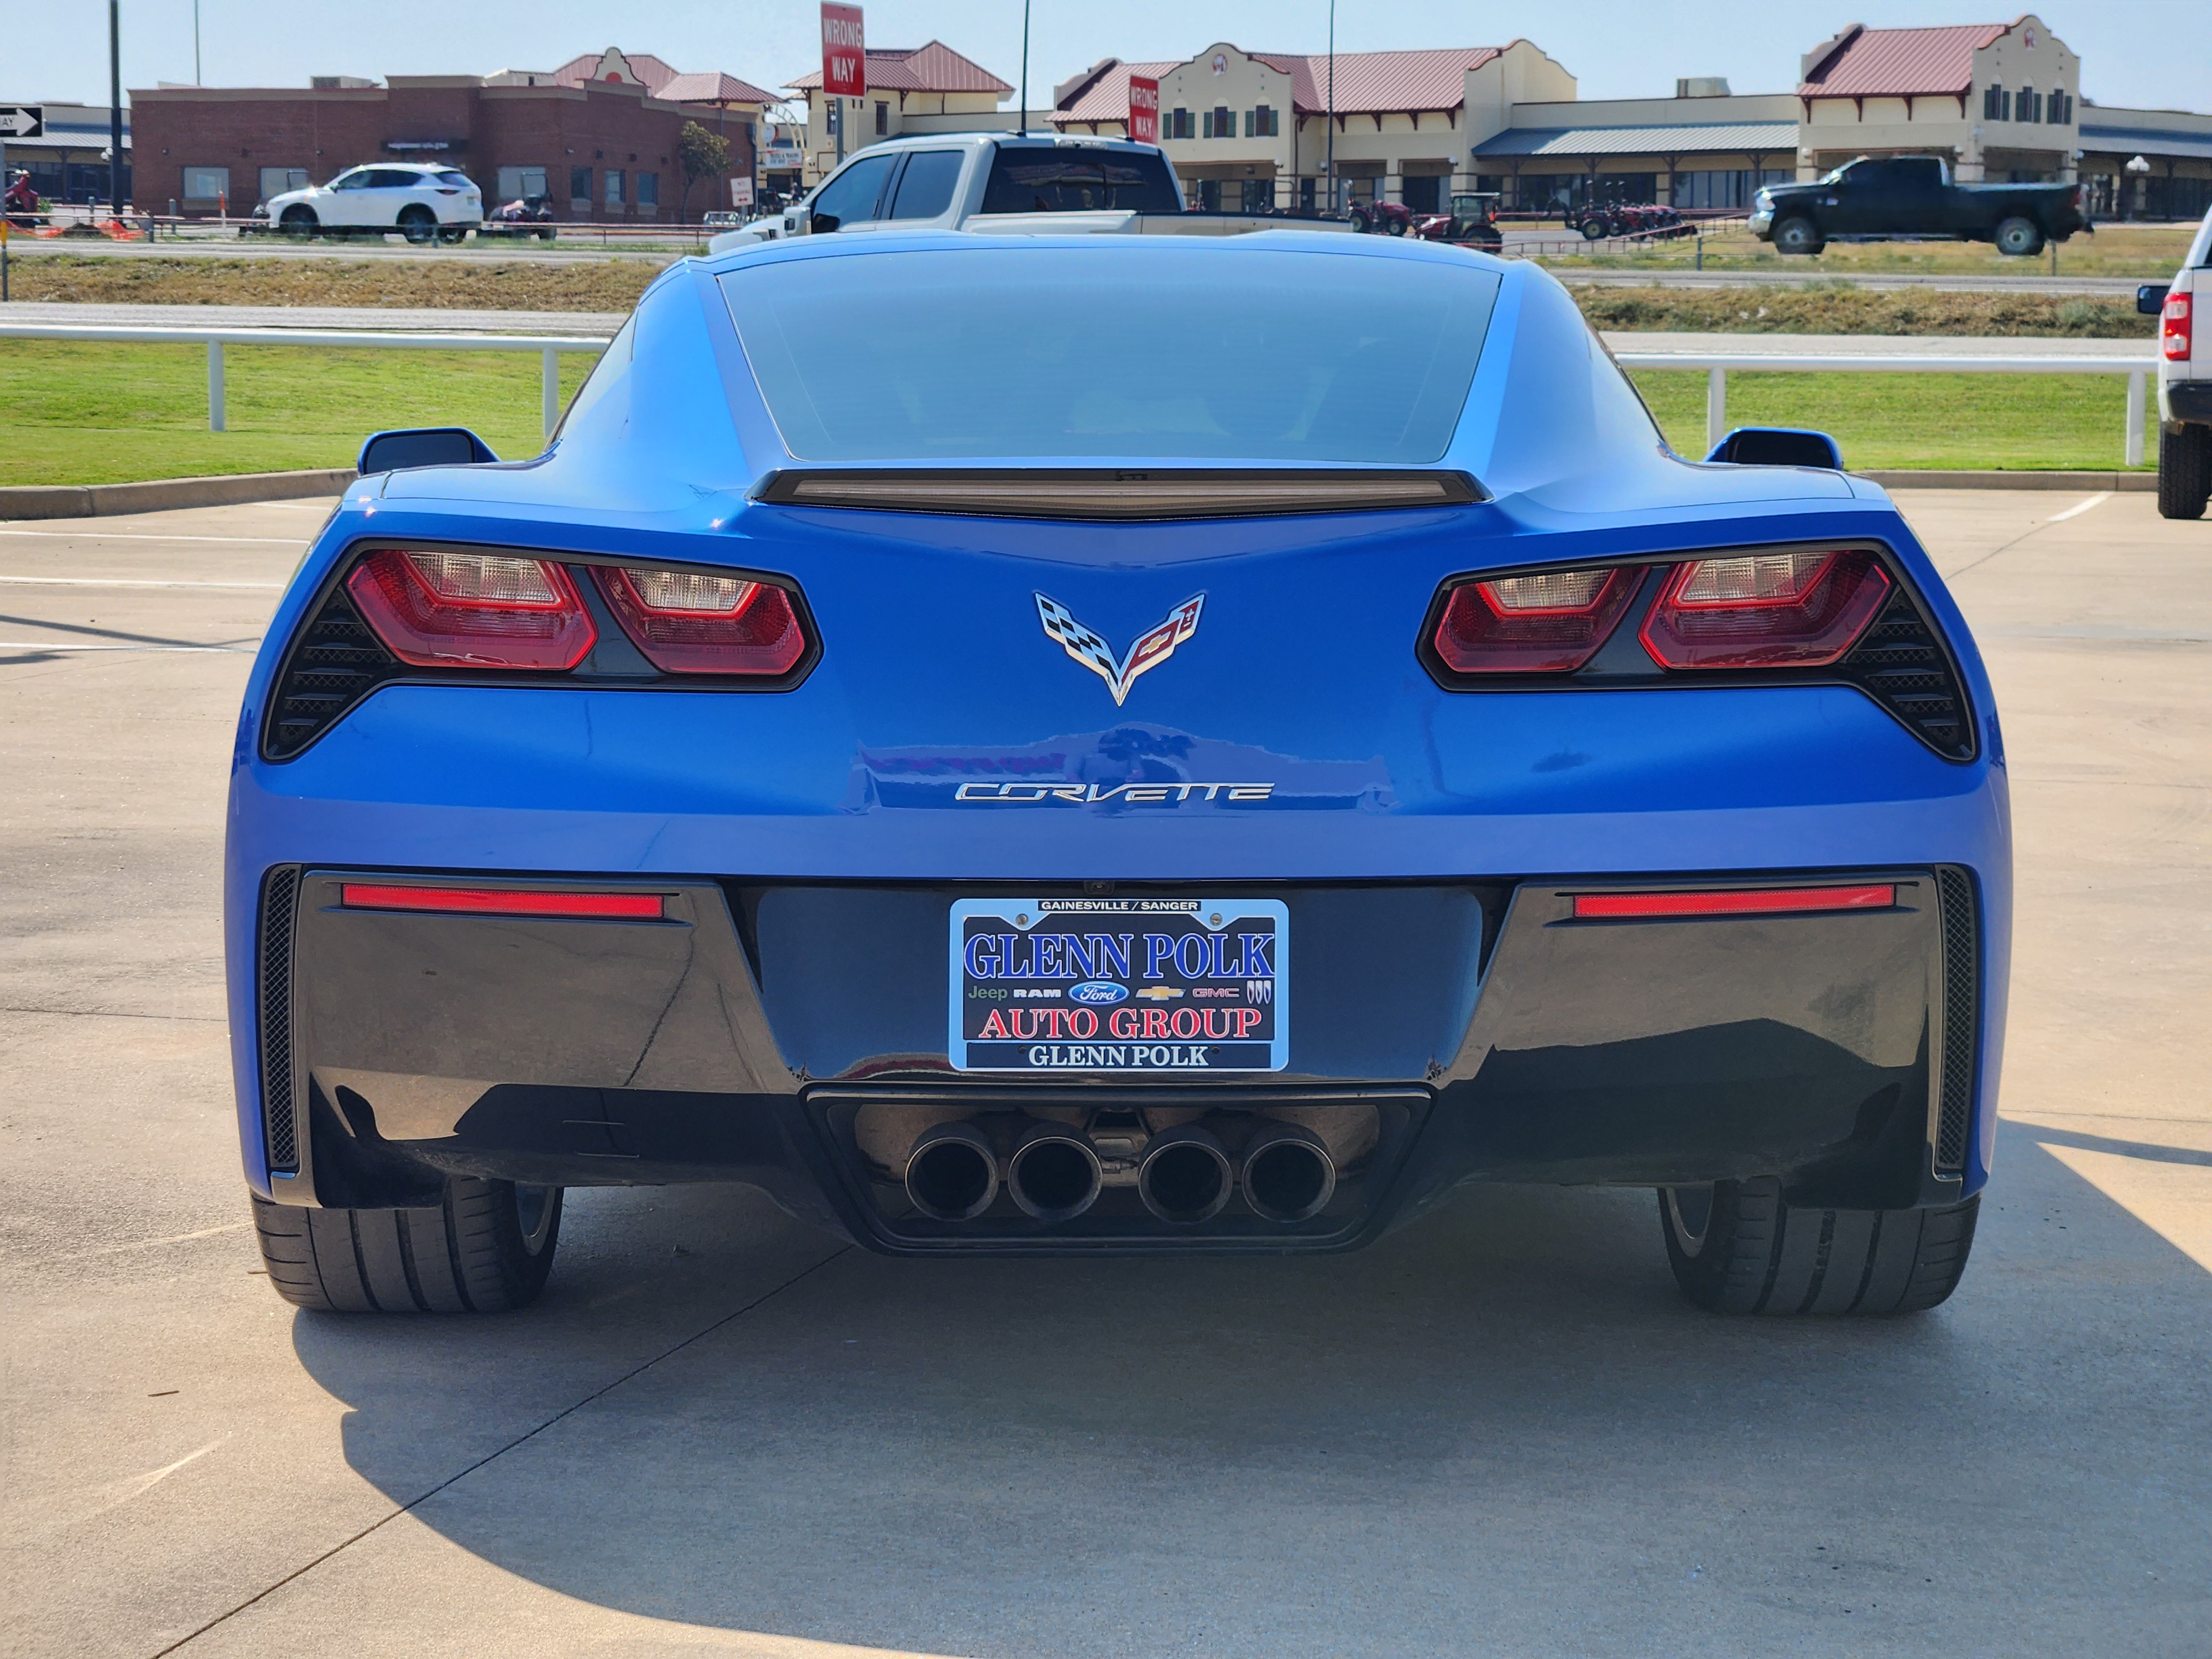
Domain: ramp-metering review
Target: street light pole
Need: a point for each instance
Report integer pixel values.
(1023, 121)
(196, 42)
(114, 110)
(1334, 204)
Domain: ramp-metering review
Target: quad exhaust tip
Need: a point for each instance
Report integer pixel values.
(952, 1173)
(1053, 1173)
(1288, 1173)
(1186, 1177)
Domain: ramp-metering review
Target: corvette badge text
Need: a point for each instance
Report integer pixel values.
(1037, 794)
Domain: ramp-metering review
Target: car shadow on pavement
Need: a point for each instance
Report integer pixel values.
(1499, 1427)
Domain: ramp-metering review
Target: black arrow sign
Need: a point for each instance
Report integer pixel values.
(22, 121)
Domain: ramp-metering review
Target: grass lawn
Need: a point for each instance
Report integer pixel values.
(2153, 253)
(88, 413)
(2023, 423)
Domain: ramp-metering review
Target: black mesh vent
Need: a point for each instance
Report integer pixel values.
(1962, 984)
(337, 663)
(280, 1122)
(1903, 665)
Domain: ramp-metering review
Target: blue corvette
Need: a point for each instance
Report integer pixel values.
(1104, 744)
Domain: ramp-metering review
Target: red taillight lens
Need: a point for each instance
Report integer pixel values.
(501, 901)
(1550, 623)
(1765, 610)
(2173, 328)
(688, 622)
(1743, 901)
(473, 610)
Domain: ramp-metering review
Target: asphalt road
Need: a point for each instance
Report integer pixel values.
(1497, 1432)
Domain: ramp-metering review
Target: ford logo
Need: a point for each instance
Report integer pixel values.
(1098, 992)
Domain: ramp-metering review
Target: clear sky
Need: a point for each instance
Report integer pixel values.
(2155, 53)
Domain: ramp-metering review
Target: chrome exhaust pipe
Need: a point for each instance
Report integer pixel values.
(1186, 1177)
(1053, 1173)
(1288, 1173)
(952, 1173)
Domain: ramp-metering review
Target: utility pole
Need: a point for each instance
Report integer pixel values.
(196, 42)
(1023, 121)
(114, 109)
(1334, 204)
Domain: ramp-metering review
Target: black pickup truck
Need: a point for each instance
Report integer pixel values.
(1900, 198)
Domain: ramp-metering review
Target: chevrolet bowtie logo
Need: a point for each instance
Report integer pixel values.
(1094, 653)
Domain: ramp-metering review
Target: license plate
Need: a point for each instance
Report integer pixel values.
(1135, 985)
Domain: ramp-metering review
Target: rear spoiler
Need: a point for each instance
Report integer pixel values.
(1120, 495)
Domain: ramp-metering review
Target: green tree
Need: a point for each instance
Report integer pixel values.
(703, 155)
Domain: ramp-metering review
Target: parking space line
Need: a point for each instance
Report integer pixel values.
(2080, 508)
(127, 582)
(111, 536)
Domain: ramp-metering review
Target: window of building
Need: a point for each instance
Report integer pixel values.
(1209, 196)
(205, 184)
(882, 119)
(648, 189)
(527, 184)
(1728, 190)
(2061, 108)
(1259, 195)
(614, 187)
(1179, 124)
(1995, 107)
(580, 188)
(274, 181)
(2027, 104)
(1221, 122)
(1263, 122)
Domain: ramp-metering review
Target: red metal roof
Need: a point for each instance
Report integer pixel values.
(934, 68)
(1900, 63)
(1378, 82)
(712, 87)
(651, 73)
(1107, 97)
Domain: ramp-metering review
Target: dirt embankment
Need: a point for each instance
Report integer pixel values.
(1842, 309)
(1825, 307)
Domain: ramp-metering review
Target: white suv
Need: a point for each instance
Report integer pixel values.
(2184, 381)
(423, 203)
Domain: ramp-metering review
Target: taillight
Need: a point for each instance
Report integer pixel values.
(2173, 328)
(473, 610)
(1553, 622)
(688, 622)
(1765, 610)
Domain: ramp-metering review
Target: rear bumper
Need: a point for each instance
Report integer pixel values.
(793, 1036)
(2186, 403)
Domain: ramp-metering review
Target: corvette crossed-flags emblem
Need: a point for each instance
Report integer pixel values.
(1091, 650)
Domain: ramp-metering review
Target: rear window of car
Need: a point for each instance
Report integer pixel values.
(1076, 179)
(1161, 348)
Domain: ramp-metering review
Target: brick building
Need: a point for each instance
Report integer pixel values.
(598, 135)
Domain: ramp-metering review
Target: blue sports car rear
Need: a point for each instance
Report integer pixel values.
(1078, 745)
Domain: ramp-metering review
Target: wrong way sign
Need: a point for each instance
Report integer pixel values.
(22, 120)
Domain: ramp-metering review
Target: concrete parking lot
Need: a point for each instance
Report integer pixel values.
(1497, 1432)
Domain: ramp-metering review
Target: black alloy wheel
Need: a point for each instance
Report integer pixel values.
(1797, 235)
(418, 224)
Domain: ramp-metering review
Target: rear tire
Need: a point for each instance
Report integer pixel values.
(2018, 236)
(2184, 472)
(418, 224)
(1797, 235)
(486, 1248)
(1740, 1247)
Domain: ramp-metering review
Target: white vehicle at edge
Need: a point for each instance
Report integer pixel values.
(2184, 381)
(421, 201)
(1009, 183)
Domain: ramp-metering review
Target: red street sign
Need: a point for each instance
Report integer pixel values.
(844, 53)
(1143, 110)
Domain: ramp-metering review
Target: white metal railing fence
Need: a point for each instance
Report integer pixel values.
(1717, 366)
(549, 346)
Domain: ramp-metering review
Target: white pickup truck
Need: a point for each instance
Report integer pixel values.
(2184, 381)
(1006, 183)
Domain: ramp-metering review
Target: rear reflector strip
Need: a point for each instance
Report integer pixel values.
(1762, 901)
(501, 901)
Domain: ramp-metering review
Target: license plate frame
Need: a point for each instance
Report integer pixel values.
(1229, 1015)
